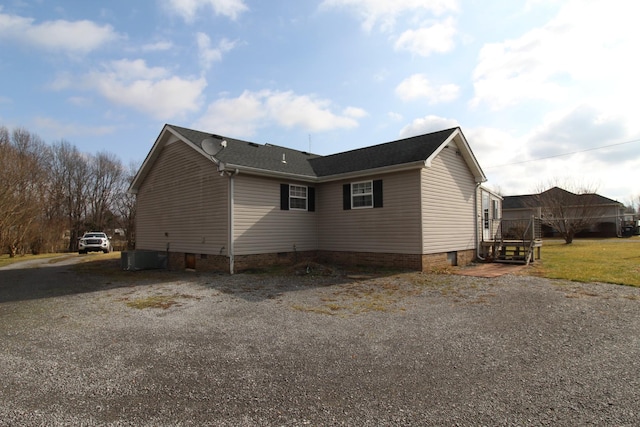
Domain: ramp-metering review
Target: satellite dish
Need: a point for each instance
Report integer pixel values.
(211, 146)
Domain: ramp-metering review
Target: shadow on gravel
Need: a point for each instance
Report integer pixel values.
(52, 280)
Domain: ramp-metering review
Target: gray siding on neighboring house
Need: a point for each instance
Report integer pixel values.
(393, 228)
(448, 204)
(183, 196)
(260, 226)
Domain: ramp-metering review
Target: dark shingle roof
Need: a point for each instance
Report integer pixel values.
(555, 193)
(409, 150)
(268, 158)
(258, 156)
(273, 160)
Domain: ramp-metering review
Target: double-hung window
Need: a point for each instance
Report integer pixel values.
(297, 197)
(362, 194)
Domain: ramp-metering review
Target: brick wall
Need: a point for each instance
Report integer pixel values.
(178, 261)
(401, 261)
(248, 262)
(442, 260)
(426, 262)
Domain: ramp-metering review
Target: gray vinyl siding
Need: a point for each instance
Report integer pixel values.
(448, 204)
(393, 228)
(259, 224)
(185, 197)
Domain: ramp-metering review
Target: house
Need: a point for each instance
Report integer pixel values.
(219, 203)
(603, 217)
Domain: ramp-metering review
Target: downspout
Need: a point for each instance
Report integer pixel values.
(231, 176)
(477, 221)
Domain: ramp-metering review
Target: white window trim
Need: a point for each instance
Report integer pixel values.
(362, 194)
(305, 198)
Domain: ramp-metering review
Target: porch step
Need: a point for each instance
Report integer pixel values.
(510, 261)
(514, 254)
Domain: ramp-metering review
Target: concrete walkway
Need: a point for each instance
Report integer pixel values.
(492, 269)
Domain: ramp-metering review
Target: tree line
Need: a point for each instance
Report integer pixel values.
(51, 194)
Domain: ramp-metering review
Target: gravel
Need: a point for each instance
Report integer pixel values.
(325, 348)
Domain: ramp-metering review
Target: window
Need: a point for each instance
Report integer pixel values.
(496, 209)
(363, 194)
(298, 197)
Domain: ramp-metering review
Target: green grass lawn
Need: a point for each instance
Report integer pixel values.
(592, 260)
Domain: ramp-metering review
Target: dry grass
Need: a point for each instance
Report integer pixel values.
(157, 301)
(592, 260)
(357, 297)
(6, 260)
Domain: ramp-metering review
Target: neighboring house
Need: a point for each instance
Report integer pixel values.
(604, 214)
(218, 203)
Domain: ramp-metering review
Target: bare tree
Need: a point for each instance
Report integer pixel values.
(126, 206)
(568, 212)
(105, 179)
(52, 193)
(70, 182)
(23, 173)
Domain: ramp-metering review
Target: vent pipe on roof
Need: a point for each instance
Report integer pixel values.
(284, 160)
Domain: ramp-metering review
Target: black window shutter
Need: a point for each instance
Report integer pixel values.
(346, 196)
(377, 193)
(311, 199)
(284, 197)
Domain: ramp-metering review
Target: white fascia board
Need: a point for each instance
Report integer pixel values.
(313, 179)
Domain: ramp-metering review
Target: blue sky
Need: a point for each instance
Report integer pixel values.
(545, 91)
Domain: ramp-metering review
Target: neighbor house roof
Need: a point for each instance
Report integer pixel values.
(528, 201)
(273, 160)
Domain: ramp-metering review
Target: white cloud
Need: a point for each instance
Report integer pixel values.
(396, 117)
(424, 41)
(209, 55)
(385, 12)
(151, 90)
(66, 130)
(356, 113)
(418, 86)
(582, 52)
(189, 9)
(67, 36)
(558, 150)
(242, 116)
(427, 124)
(580, 128)
(159, 46)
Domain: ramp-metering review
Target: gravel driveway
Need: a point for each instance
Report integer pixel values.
(184, 349)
